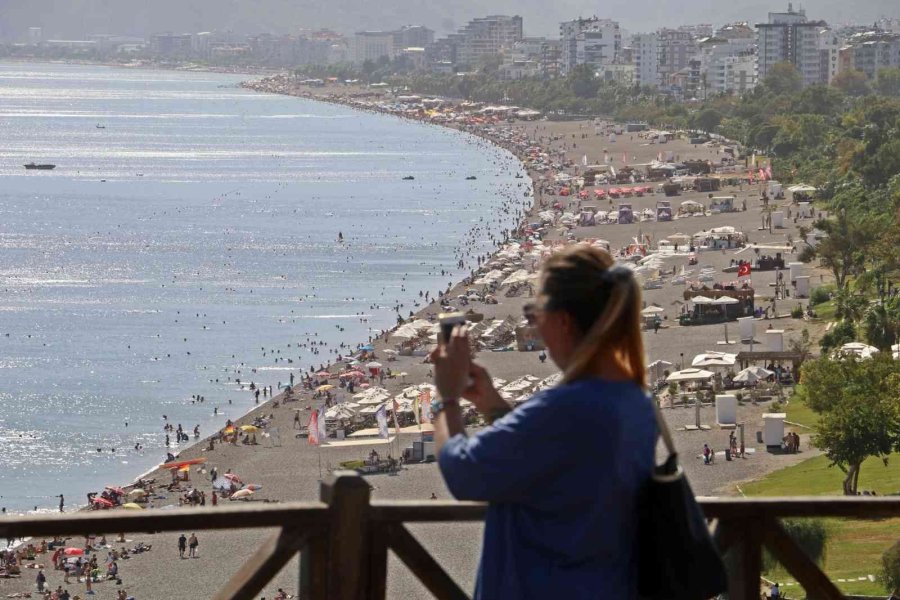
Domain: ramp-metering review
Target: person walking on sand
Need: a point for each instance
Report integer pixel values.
(192, 544)
(62, 503)
(41, 580)
(182, 545)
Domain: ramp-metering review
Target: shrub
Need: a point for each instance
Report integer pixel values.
(797, 312)
(890, 565)
(819, 295)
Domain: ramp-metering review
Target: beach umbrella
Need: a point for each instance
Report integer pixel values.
(324, 388)
(102, 503)
(373, 365)
(324, 374)
(652, 310)
(253, 487)
(714, 359)
(115, 490)
(132, 506)
(368, 348)
(723, 300)
(245, 493)
(73, 552)
(180, 463)
(233, 477)
(752, 375)
(249, 428)
(137, 493)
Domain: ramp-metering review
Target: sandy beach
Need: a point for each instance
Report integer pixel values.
(288, 468)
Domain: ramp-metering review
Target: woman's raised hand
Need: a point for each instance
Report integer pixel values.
(481, 390)
(452, 363)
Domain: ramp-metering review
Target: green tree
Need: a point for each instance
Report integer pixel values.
(852, 83)
(890, 568)
(888, 81)
(708, 120)
(859, 415)
(843, 249)
(841, 333)
(784, 78)
(583, 81)
(882, 324)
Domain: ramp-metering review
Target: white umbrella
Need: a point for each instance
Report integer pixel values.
(652, 310)
(373, 365)
(714, 359)
(691, 375)
(752, 375)
(701, 300)
(722, 300)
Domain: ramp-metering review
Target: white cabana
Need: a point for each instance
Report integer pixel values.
(690, 375)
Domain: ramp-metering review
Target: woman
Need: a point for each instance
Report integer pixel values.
(562, 471)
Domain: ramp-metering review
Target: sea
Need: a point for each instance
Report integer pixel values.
(189, 236)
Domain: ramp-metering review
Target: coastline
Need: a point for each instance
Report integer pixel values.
(288, 471)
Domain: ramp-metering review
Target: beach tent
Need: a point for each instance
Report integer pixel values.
(690, 375)
(724, 300)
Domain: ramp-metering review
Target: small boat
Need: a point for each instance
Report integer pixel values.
(471, 178)
(408, 178)
(99, 126)
(31, 166)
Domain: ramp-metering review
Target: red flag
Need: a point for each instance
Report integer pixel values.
(313, 428)
(750, 175)
(744, 270)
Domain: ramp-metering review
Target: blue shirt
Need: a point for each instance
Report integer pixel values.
(561, 473)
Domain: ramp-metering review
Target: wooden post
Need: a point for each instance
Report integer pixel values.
(744, 560)
(347, 495)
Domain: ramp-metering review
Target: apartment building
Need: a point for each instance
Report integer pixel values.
(791, 37)
(593, 41)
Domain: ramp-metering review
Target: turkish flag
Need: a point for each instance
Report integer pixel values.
(744, 270)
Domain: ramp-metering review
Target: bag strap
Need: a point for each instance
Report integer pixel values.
(663, 429)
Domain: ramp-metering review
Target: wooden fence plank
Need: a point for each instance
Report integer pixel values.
(798, 563)
(378, 562)
(801, 506)
(262, 566)
(314, 568)
(301, 514)
(744, 560)
(423, 565)
(411, 511)
(348, 496)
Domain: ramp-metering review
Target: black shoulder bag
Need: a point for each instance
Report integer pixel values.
(677, 558)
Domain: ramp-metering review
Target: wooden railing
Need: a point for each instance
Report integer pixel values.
(344, 540)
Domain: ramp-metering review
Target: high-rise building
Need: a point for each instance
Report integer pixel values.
(728, 60)
(677, 50)
(591, 41)
(645, 55)
(172, 45)
(790, 37)
(373, 45)
(480, 38)
(532, 57)
(412, 36)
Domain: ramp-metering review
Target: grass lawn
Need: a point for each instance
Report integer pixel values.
(854, 547)
(798, 412)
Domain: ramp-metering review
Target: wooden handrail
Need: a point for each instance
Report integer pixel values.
(344, 539)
